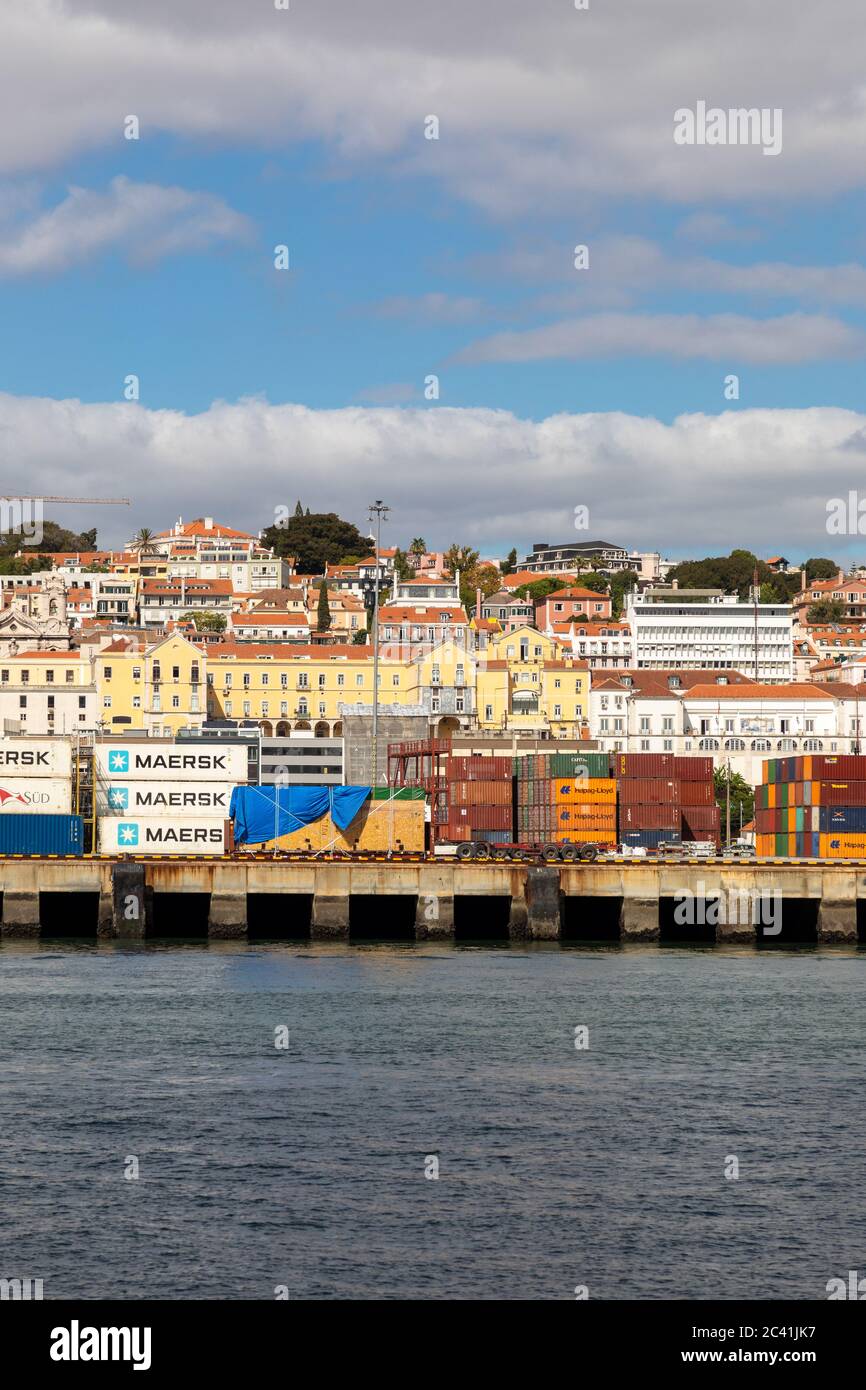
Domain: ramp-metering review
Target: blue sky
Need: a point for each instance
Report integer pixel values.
(411, 257)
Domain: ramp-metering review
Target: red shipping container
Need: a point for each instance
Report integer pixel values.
(697, 793)
(697, 769)
(701, 817)
(653, 791)
(646, 816)
(626, 765)
(850, 766)
(838, 794)
(475, 768)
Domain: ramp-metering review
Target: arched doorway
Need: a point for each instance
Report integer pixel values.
(447, 726)
(302, 727)
(338, 729)
(282, 729)
(266, 728)
(322, 730)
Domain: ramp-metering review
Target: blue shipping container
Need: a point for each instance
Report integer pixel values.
(36, 834)
(651, 839)
(842, 818)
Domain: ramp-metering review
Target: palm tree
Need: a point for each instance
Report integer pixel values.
(144, 543)
(418, 546)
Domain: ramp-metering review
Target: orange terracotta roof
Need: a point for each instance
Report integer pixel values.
(287, 652)
(756, 691)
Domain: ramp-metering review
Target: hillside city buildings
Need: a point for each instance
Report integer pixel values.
(207, 630)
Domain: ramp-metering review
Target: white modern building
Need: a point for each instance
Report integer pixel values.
(715, 632)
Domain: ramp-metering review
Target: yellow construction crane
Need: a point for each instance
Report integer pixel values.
(86, 501)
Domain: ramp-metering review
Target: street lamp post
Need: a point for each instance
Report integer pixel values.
(378, 509)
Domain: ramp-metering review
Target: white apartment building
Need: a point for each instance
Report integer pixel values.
(48, 693)
(712, 633)
(729, 717)
(600, 645)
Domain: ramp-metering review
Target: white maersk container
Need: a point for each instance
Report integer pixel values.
(133, 799)
(165, 762)
(36, 757)
(39, 794)
(184, 835)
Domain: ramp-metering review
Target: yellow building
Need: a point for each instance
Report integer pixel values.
(527, 683)
(158, 687)
(287, 687)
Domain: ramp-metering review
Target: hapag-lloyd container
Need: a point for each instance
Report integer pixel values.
(35, 757)
(41, 834)
(132, 799)
(46, 795)
(184, 835)
(162, 762)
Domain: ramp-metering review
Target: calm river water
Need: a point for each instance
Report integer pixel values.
(304, 1166)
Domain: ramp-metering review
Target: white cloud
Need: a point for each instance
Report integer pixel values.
(431, 308)
(145, 221)
(697, 486)
(535, 100)
(730, 338)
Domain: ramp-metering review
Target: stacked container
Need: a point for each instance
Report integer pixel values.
(564, 797)
(812, 807)
(700, 818)
(649, 799)
(479, 799)
(164, 798)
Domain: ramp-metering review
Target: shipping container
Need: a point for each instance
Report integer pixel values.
(478, 767)
(849, 819)
(697, 793)
(646, 816)
(693, 768)
(185, 835)
(41, 834)
(133, 799)
(161, 762)
(703, 817)
(40, 794)
(644, 765)
(843, 846)
(650, 791)
(650, 839)
(35, 757)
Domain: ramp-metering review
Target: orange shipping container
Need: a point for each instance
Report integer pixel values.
(842, 846)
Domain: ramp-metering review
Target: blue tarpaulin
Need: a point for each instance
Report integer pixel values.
(257, 816)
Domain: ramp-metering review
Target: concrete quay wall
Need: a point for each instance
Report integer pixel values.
(444, 899)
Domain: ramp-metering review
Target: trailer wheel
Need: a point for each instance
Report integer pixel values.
(465, 851)
(588, 853)
(499, 852)
(569, 853)
(482, 850)
(550, 853)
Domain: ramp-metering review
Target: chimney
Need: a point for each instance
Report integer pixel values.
(208, 523)
(803, 580)
(478, 602)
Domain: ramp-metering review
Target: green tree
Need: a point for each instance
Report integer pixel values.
(418, 546)
(323, 620)
(509, 564)
(144, 543)
(206, 621)
(820, 568)
(316, 540)
(742, 798)
(299, 511)
(54, 539)
(360, 638)
(402, 568)
(620, 584)
(538, 589)
(825, 610)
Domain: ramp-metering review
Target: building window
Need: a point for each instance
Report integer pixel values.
(175, 702)
(488, 711)
(107, 673)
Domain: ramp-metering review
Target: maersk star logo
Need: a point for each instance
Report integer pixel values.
(119, 761)
(127, 834)
(118, 798)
